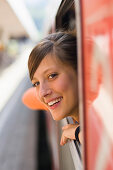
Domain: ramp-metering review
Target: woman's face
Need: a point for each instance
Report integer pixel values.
(56, 87)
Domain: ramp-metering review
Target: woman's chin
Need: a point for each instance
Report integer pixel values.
(57, 117)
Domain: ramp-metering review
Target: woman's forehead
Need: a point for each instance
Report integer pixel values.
(50, 63)
(50, 59)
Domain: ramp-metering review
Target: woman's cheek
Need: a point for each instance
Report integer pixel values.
(62, 85)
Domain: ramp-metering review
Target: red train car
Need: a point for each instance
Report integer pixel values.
(97, 83)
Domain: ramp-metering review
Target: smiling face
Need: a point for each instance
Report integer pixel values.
(56, 87)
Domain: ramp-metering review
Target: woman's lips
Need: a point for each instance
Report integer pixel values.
(54, 103)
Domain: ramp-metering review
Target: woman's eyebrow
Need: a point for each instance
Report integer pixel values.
(44, 72)
(48, 69)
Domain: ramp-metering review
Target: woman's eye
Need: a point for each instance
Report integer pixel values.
(36, 84)
(53, 75)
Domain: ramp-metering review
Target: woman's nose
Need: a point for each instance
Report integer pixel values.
(44, 91)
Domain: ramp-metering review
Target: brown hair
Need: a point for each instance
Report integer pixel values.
(62, 45)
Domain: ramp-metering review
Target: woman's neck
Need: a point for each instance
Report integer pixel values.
(75, 115)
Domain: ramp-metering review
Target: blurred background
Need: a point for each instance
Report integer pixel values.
(22, 24)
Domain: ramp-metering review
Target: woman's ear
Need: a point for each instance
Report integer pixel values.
(29, 99)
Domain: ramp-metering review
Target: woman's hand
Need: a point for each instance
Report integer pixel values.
(68, 133)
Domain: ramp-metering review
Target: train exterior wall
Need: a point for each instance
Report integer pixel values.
(97, 44)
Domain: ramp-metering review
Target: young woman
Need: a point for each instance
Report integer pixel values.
(53, 71)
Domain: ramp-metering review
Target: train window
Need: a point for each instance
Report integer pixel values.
(73, 148)
(66, 20)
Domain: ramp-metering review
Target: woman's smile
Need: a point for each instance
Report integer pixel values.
(56, 87)
(54, 103)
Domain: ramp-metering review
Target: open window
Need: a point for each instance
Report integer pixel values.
(66, 20)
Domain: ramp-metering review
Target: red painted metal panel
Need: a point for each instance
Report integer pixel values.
(97, 43)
